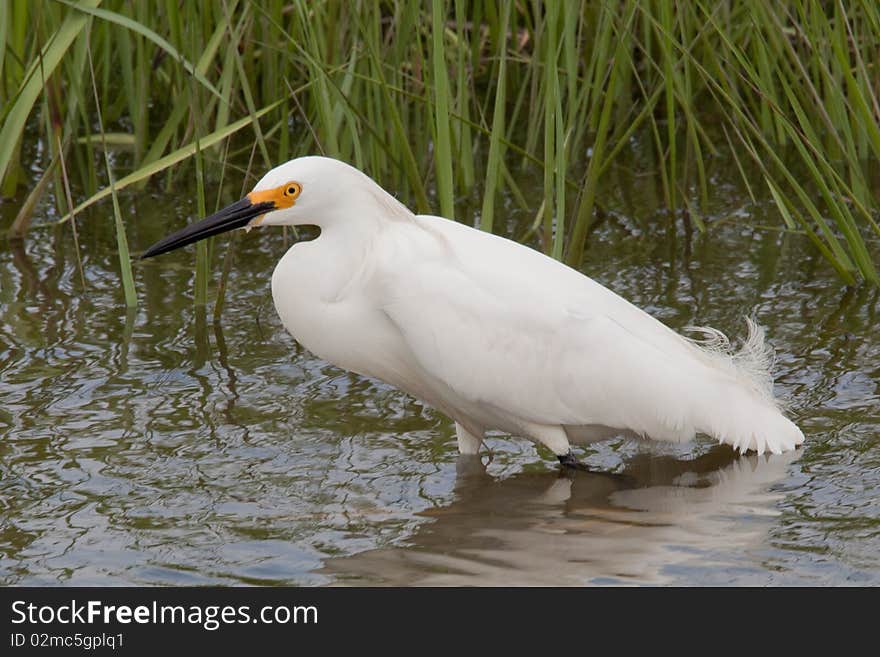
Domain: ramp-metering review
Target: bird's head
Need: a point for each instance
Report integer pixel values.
(308, 190)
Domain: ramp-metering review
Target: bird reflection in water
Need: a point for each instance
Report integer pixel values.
(636, 527)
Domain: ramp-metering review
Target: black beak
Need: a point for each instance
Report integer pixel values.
(236, 215)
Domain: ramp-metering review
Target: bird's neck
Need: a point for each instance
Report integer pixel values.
(341, 252)
(351, 235)
(366, 213)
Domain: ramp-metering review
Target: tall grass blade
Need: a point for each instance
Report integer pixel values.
(496, 145)
(170, 160)
(442, 139)
(121, 239)
(41, 68)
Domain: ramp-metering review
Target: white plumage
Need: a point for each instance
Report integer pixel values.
(497, 335)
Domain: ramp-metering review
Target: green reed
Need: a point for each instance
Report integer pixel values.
(456, 96)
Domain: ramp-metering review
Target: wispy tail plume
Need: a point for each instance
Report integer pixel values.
(745, 413)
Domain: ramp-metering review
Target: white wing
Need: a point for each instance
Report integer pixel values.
(510, 329)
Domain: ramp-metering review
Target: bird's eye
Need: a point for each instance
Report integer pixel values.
(292, 190)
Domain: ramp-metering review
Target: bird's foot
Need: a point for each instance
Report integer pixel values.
(470, 464)
(571, 462)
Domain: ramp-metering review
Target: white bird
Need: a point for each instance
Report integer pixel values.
(490, 332)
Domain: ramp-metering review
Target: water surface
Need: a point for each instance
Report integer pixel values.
(157, 447)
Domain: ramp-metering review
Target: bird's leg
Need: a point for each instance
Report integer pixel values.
(468, 441)
(570, 461)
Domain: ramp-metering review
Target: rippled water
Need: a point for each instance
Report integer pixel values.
(155, 447)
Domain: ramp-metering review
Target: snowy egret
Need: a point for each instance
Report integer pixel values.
(490, 332)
